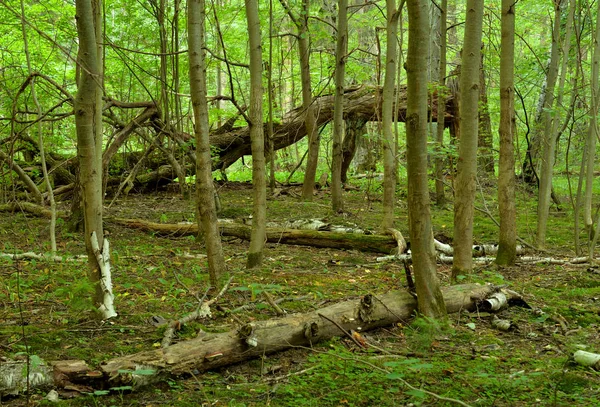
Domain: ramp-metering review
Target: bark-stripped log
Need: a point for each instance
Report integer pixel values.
(249, 341)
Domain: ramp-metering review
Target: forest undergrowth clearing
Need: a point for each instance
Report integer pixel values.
(468, 360)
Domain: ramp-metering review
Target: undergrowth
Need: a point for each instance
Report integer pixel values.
(44, 312)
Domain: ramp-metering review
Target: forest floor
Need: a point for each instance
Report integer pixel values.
(44, 308)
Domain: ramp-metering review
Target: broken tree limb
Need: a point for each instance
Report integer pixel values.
(335, 240)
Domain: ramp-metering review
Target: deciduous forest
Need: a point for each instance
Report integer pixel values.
(299, 203)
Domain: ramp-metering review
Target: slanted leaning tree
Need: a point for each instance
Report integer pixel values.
(464, 186)
(259, 183)
(429, 297)
(205, 190)
(507, 243)
(89, 152)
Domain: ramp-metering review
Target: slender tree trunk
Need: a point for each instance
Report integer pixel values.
(485, 153)
(259, 212)
(549, 139)
(440, 197)
(592, 135)
(205, 191)
(338, 115)
(389, 140)
(312, 160)
(507, 248)
(467, 148)
(40, 134)
(429, 297)
(90, 168)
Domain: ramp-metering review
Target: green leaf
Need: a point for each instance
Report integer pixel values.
(415, 393)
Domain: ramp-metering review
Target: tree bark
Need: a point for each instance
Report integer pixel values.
(507, 248)
(549, 139)
(87, 149)
(389, 139)
(592, 135)
(205, 190)
(430, 299)
(467, 148)
(341, 50)
(257, 241)
(440, 197)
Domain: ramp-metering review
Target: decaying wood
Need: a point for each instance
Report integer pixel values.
(214, 350)
(335, 240)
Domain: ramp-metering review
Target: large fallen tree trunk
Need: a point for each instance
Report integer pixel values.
(334, 240)
(363, 102)
(214, 350)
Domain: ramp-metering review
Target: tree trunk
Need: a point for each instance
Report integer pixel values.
(389, 139)
(338, 115)
(87, 150)
(549, 139)
(507, 244)
(355, 129)
(430, 299)
(440, 197)
(310, 121)
(205, 190)
(485, 152)
(257, 241)
(464, 197)
(592, 135)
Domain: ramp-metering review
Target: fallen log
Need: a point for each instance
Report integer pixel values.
(361, 102)
(334, 240)
(214, 350)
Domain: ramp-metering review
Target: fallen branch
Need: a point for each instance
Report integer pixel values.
(203, 311)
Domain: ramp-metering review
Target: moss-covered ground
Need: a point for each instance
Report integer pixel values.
(44, 310)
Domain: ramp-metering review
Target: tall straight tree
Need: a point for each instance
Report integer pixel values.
(593, 133)
(429, 297)
(89, 146)
(259, 183)
(389, 139)
(312, 158)
(205, 190)
(549, 138)
(440, 197)
(507, 247)
(341, 50)
(467, 148)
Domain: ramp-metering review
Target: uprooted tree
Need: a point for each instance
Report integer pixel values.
(229, 142)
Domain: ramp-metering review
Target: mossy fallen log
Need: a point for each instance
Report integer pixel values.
(335, 240)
